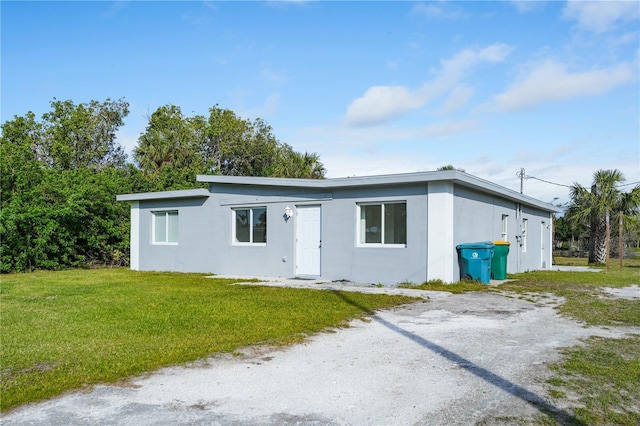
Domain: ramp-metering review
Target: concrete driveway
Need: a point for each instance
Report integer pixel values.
(447, 360)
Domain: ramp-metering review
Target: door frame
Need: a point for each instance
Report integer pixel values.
(297, 231)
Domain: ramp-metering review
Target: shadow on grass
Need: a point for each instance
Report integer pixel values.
(545, 407)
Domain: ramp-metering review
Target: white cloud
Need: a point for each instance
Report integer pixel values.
(274, 77)
(380, 104)
(551, 82)
(438, 11)
(601, 16)
(526, 6)
(458, 97)
(269, 107)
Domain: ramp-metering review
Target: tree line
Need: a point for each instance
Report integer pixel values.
(602, 218)
(60, 175)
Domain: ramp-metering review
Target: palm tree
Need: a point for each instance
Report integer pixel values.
(590, 208)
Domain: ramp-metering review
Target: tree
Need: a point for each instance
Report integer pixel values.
(174, 148)
(170, 140)
(60, 176)
(19, 155)
(591, 207)
(568, 235)
(292, 164)
(237, 147)
(449, 167)
(78, 136)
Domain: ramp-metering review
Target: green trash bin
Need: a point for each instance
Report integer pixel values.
(475, 261)
(499, 261)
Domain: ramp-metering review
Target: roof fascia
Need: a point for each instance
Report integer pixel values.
(165, 195)
(455, 176)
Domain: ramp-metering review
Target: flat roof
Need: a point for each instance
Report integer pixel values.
(455, 176)
(165, 195)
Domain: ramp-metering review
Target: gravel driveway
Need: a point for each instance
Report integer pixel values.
(447, 360)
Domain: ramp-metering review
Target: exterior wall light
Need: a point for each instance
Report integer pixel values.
(288, 213)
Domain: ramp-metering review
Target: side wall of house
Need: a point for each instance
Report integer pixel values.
(191, 252)
(483, 217)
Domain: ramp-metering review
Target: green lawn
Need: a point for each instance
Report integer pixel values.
(66, 330)
(70, 329)
(601, 378)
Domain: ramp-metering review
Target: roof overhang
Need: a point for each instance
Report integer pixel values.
(454, 176)
(165, 195)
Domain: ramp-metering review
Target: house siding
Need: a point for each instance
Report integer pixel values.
(441, 213)
(192, 252)
(478, 217)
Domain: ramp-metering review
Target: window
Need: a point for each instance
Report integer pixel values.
(165, 227)
(384, 224)
(251, 225)
(505, 221)
(525, 227)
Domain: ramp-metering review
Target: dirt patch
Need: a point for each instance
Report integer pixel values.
(456, 360)
(631, 292)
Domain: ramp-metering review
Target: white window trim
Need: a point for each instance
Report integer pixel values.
(525, 231)
(250, 243)
(153, 228)
(359, 242)
(504, 232)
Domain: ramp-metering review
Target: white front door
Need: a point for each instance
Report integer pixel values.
(308, 240)
(543, 252)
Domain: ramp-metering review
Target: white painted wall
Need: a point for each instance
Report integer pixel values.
(134, 240)
(440, 255)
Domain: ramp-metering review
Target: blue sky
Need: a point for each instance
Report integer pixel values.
(373, 87)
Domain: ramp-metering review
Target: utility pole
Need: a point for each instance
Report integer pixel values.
(620, 246)
(520, 174)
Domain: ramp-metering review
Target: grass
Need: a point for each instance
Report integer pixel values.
(581, 291)
(455, 288)
(67, 330)
(71, 329)
(601, 378)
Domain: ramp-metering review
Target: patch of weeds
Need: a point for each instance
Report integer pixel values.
(556, 381)
(605, 375)
(502, 420)
(597, 311)
(557, 394)
(456, 288)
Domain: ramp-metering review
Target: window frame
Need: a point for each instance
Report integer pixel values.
(234, 235)
(167, 224)
(360, 239)
(504, 233)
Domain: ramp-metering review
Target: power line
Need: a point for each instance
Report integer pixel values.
(627, 184)
(521, 175)
(546, 181)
